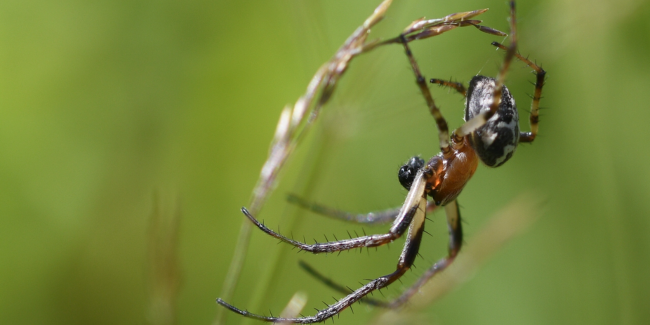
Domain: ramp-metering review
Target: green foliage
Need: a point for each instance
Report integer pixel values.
(103, 104)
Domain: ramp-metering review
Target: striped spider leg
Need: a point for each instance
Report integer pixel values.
(490, 134)
(480, 84)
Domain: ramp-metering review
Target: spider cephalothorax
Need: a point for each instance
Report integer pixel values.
(490, 134)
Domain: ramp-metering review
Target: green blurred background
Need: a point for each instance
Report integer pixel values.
(116, 111)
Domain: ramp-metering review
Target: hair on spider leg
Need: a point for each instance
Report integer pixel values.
(533, 98)
(428, 261)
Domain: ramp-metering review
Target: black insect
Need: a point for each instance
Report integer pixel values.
(490, 134)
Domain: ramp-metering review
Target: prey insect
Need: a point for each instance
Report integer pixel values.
(490, 134)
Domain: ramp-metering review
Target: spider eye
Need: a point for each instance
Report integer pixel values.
(407, 172)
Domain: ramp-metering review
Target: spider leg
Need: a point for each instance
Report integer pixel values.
(416, 201)
(534, 109)
(459, 87)
(443, 129)
(336, 286)
(452, 210)
(400, 225)
(455, 241)
(480, 119)
(380, 217)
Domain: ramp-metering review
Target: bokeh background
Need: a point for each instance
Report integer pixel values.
(119, 116)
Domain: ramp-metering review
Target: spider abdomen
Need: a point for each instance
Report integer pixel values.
(496, 141)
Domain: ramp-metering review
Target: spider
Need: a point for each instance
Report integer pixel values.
(490, 134)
